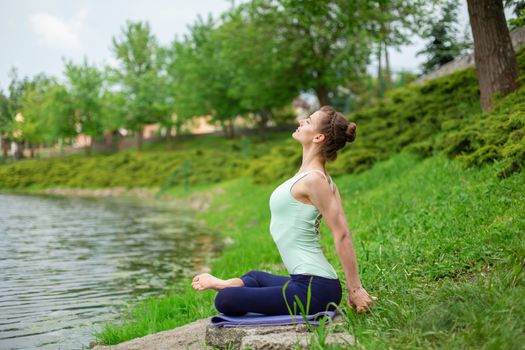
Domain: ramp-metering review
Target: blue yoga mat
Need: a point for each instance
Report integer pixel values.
(255, 319)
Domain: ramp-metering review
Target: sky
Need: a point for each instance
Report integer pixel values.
(37, 35)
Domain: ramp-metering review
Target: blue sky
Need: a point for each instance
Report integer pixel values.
(36, 35)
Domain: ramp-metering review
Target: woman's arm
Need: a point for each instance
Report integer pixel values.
(330, 207)
(345, 249)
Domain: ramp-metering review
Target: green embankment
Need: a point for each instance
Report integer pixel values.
(442, 247)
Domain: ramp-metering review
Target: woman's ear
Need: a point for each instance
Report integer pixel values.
(319, 138)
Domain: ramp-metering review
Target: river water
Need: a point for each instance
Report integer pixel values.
(67, 265)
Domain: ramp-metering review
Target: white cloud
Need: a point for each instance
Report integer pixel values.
(55, 32)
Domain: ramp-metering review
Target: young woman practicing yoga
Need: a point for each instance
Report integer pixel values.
(297, 206)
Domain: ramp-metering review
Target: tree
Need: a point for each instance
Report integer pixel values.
(443, 45)
(519, 12)
(13, 106)
(263, 76)
(35, 123)
(391, 23)
(494, 55)
(136, 50)
(5, 120)
(85, 85)
(61, 115)
(330, 42)
(113, 115)
(200, 77)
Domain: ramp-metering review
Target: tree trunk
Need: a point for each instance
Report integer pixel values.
(388, 73)
(178, 128)
(322, 95)
(231, 129)
(88, 147)
(168, 133)
(110, 140)
(265, 116)
(379, 71)
(19, 154)
(139, 138)
(31, 150)
(224, 128)
(494, 56)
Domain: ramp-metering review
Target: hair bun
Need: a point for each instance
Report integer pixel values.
(350, 132)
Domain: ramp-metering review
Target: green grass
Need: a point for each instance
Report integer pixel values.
(442, 246)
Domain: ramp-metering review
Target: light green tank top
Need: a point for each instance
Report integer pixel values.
(295, 229)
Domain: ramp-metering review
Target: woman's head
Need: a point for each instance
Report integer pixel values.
(328, 129)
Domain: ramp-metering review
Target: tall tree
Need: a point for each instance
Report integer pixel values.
(200, 78)
(85, 84)
(331, 44)
(13, 106)
(61, 115)
(136, 50)
(113, 116)
(263, 74)
(443, 45)
(34, 123)
(494, 55)
(391, 24)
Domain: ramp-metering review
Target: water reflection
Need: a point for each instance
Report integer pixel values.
(68, 263)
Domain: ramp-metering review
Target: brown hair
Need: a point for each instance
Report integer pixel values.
(337, 130)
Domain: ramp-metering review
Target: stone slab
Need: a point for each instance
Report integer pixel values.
(190, 337)
(202, 335)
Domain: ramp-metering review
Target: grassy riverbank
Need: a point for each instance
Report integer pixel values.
(443, 248)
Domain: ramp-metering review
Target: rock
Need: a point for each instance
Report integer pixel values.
(190, 337)
(201, 335)
(275, 337)
(293, 340)
(223, 337)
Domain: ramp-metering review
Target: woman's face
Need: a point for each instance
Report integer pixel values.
(307, 131)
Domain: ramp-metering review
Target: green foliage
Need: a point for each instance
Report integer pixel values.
(86, 89)
(263, 74)
(211, 160)
(494, 137)
(11, 102)
(140, 63)
(443, 114)
(440, 115)
(519, 12)
(151, 169)
(443, 45)
(328, 41)
(200, 76)
(278, 164)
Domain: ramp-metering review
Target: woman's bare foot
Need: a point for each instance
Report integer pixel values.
(206, 281)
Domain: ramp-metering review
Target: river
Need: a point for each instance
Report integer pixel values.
(67, 265)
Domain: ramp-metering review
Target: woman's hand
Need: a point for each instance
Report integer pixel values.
(359, 298)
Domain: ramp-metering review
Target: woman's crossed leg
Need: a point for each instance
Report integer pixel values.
(256, 291)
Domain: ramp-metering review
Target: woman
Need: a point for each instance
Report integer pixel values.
(296, 207)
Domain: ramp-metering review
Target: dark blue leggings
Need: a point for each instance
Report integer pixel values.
(262, 293)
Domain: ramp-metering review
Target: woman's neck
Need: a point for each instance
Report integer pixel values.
(311, 161)
(315, 163)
